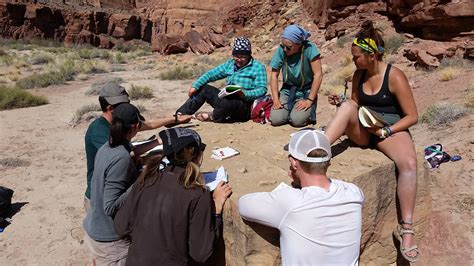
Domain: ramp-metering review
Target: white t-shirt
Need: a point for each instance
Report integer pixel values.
(317, 227)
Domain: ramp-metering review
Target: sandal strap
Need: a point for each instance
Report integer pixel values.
(404, 231)
(405, 222)
(408, 249)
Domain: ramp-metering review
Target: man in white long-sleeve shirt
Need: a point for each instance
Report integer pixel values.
(319, 223)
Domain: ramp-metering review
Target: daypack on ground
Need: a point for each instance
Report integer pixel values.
(5, 201)
(434, 155)
(261, 107)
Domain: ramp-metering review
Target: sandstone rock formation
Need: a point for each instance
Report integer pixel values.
(101, 22)
(252, 244)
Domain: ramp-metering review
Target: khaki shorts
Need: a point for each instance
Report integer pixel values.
(108, 253)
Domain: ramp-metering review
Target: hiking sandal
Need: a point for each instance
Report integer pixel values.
(176, 121)
(398, 233)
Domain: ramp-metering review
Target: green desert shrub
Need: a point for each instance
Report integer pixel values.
(455, 62)
(94, 67)
(442, 113)
(470, 95)
(40, 80)
(447, 74)
(177, 73)
(117, 68)
(140, 92)
(84, 110)
(84, 53)
(6, 59)
(393, 43)
(13, 162)
(12, 97)
(100, 53)
(341, 41)
(96, 86)
(144, 67)
(118, 58)
(40, 58)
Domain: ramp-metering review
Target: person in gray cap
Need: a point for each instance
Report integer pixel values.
(242, 70)
(320, 219)
(112, 95)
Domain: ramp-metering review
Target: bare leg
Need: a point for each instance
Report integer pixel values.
(399, 147)
(346, 121)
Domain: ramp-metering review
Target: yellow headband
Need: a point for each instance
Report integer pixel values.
(368, 45)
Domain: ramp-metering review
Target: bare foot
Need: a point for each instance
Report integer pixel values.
(203, 116)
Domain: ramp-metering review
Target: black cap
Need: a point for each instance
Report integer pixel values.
(242, 46)
(128, 113)
(177, 138)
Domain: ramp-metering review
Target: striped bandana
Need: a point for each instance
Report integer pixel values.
(369, 45)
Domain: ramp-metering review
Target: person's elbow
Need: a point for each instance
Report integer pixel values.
(201, 255)
(109, 209)
(245, 208)
(318, 76)
(414, 118)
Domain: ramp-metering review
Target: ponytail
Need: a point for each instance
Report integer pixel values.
(118, 133)
(372, 37)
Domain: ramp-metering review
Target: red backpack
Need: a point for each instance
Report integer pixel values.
(261, 107)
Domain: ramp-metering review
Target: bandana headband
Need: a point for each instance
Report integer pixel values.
(368, 45)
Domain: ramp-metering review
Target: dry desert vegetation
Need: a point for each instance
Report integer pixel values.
(48, 96)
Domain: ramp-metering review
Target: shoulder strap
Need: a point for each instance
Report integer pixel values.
(385, 77)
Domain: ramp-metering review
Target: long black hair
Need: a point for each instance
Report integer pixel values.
(118, 133)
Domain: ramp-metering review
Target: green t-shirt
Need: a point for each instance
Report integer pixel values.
(97, 135)
(291, 66)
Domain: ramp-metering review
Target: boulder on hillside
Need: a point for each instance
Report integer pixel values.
(124, 26)
(197, 43)
(421, 58)
(211, 35)
(165, 44)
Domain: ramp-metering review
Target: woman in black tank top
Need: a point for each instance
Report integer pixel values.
(384, 89)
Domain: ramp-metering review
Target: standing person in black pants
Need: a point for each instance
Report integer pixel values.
(242, 70)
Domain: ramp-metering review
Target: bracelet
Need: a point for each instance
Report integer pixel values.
(311, 99)
(385, 132)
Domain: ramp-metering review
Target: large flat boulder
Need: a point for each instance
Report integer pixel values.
(262, 165)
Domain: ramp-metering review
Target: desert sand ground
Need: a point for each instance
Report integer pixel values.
(50, 183)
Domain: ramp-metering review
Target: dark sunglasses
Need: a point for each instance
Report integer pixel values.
(287, 48)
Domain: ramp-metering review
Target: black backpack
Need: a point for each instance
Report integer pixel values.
(5, 201)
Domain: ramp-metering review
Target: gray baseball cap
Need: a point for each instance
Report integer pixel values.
(114, 93)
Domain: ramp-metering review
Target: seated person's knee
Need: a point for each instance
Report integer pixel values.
(299, 122)
(278, 118)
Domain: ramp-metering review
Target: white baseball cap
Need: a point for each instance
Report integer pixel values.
(305, 141)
